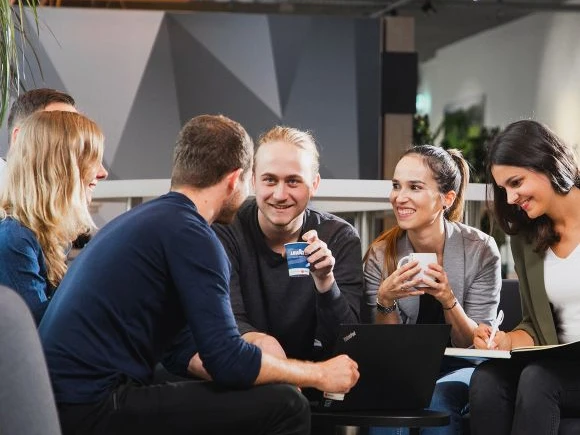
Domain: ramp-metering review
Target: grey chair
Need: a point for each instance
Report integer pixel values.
(510, 303)
(27, 405)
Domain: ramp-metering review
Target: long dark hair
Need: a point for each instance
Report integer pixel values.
(451, 172)
(531, 145)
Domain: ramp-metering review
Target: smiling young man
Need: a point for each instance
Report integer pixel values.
(293, 316)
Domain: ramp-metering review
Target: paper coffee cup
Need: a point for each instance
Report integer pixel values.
(334, 396)
(297, 262)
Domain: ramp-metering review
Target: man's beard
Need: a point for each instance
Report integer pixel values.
(229, 208)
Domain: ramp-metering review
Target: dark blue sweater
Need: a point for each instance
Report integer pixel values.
(141, 279)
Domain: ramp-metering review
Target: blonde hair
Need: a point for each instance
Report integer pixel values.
(48, 170)
(302, 139)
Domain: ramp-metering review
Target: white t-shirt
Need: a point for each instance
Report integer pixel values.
(563, 288)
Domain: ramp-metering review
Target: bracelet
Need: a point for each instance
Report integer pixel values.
(451, 307)
(386, 310)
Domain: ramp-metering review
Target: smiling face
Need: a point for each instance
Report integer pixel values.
(417, 202)
(530, 190)
(96, 173)
(284, 183)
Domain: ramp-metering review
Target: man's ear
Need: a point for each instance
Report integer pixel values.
(13, 135)
(315, 184)
(233, 178)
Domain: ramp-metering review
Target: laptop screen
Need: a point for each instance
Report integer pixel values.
(398, 365)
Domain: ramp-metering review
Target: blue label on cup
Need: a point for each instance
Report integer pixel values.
(297, 262)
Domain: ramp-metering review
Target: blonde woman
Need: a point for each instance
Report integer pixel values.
(52, 168)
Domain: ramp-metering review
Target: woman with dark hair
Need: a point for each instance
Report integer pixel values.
(463, 287)
(537, 201)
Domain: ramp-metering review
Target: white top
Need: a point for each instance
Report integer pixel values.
(563, 288)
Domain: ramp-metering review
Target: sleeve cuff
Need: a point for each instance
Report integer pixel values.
(327, 298)
(246, 327)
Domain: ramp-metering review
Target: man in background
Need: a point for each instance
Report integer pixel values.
(30, 102)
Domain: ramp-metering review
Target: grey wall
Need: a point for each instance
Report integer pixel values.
(142, 74)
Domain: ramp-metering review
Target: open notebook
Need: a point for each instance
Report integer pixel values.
(569, 351)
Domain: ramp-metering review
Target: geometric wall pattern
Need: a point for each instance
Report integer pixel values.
(142, 74)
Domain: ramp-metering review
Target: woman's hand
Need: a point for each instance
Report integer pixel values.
(400, 284)
(501, 341)
(438, 285)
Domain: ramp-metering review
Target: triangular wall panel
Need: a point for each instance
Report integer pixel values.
(154, 120)
(290, 36)
(110, 53)
(141, 83)
(312, 106)
(37, 71)
(241, 42)
(206, 86)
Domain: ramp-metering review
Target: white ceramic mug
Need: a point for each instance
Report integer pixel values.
(425, 259)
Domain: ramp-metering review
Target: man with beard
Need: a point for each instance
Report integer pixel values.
(146, 275)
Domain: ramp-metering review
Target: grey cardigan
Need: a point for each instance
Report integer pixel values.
(472, 262)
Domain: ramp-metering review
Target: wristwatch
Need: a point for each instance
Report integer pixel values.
(386, 310)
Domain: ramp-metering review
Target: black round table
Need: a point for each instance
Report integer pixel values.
(413, 419)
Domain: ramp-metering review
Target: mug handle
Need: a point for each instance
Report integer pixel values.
(406, 259)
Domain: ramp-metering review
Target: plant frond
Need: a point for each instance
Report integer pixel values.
(13, 40)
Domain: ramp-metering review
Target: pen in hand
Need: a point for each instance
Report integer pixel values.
(494, 328)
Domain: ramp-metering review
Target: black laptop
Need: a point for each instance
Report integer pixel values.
(398, 366)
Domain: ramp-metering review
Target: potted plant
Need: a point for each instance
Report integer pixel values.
(461, 133)
(13, 39)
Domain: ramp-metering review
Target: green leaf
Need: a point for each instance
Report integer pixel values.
(13, 40)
